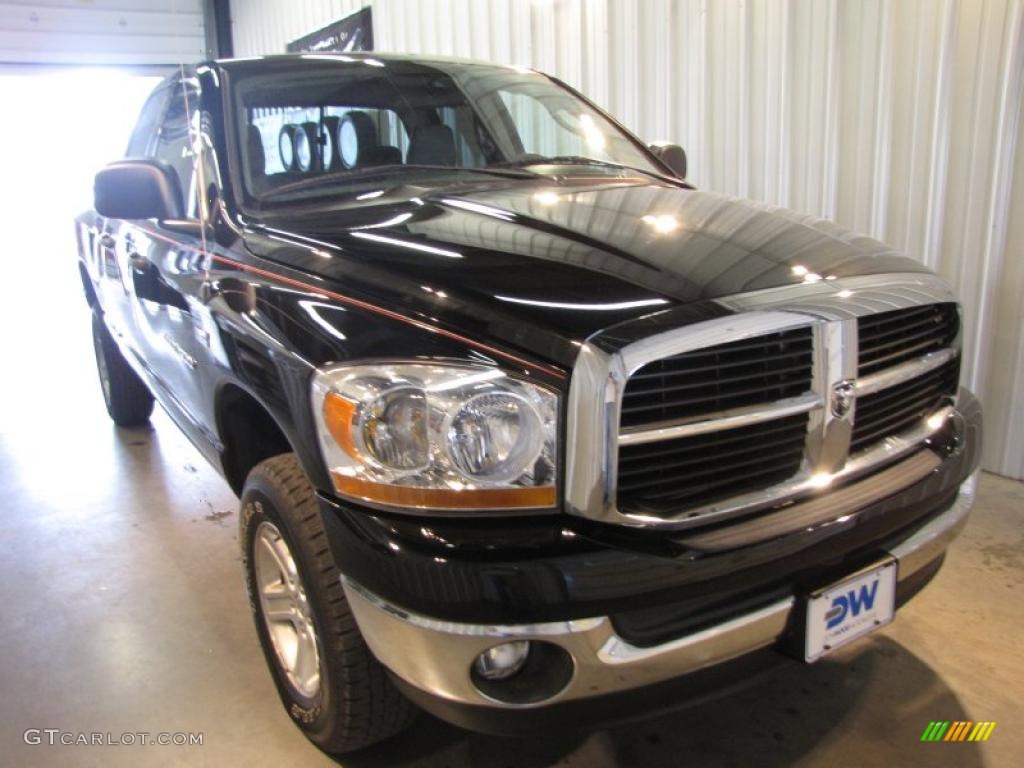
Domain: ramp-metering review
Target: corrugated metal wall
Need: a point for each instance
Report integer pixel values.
(898, 119)
(106, 32)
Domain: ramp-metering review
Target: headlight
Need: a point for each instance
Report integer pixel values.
(437, 436)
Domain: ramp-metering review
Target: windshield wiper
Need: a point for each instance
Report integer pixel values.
(376, 171)
(569, 160)
(556, 160)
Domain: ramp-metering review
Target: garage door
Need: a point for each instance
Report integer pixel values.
(118, 32)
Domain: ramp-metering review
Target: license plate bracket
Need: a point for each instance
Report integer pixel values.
(849, 609)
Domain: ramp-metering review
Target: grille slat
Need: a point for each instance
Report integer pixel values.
(721, 485)
(762, 370)
(716, 465)
(680, 405)
(646, 452)
(902, 406)
(654, 486)
(694, 457)
(896, 402)
(755, 346)
(641, 378)
(901, 353)
(891, 338)
(873, 336)
(898, 317)
(718, 381)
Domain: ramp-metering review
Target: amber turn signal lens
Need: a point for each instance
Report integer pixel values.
(339, 417)
(444, 498)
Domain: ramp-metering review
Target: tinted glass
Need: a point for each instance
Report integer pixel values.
(174, 145)
(323, 127)
(206, 184)
(145, 129)
(294, 137)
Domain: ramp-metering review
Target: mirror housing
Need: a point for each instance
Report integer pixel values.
(137, 189)
(672, 156)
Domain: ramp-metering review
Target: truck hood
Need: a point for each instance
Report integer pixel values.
(543, 265)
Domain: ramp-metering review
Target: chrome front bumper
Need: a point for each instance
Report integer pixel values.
(436, 656)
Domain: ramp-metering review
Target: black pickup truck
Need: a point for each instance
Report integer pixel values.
(526, 429)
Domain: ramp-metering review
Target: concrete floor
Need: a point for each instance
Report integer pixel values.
(125, 612)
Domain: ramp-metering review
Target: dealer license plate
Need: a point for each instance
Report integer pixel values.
(850, 609)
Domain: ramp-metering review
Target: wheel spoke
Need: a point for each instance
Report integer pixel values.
(270, 548)
(286, 614)
(307, 666)
(284, 562)
(277, 603)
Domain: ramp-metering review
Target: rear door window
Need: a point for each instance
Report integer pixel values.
(141, 142)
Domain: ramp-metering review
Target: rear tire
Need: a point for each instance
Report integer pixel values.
(128, 401)
(291, 576)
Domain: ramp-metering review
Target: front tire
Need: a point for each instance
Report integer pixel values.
(329, 681)
(128, 401)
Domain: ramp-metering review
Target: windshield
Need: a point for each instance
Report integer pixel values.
(342, 122)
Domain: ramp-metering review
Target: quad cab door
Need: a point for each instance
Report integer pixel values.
(168, 266)
(115, 246)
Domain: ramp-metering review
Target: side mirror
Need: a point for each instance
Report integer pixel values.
(137, 189)
(672, 156)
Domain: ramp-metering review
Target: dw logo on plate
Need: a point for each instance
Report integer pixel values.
(852, 602)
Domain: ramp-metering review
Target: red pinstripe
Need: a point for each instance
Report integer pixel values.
(363, 305)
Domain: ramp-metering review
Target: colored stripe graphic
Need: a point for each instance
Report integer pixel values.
(935, 730)
(958, 730)
(982, 731)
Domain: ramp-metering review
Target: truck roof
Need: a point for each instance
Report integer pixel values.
(272, 61)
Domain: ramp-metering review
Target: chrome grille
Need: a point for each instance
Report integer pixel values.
(890, 338)
(655, 478)
(766, 404)
(900, 407)
(706, 384)
(726, 376)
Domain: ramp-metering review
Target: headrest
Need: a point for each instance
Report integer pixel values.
(254, 151)
(382, 155)
(432, 145)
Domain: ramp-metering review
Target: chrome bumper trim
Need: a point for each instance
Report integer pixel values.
(436, 656)
(709, 646)
(929, 542)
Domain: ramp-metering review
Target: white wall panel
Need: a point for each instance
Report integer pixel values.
(120, 32)
(900, 119)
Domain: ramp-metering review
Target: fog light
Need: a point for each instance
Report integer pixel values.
(502, 661)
